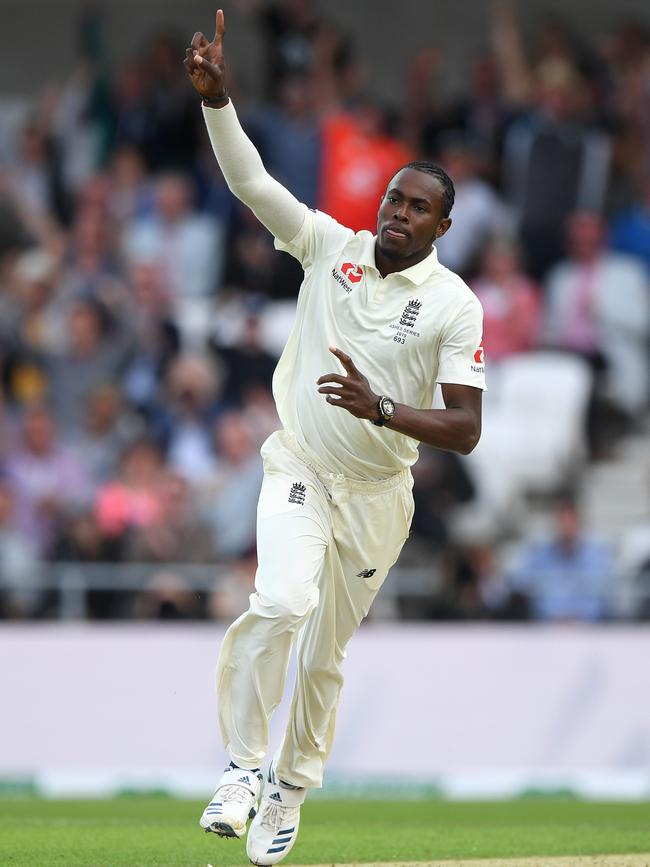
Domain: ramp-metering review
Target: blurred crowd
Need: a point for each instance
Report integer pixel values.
(142, 308)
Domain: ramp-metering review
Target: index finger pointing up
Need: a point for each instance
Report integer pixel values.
(345, 360)
(220, 27)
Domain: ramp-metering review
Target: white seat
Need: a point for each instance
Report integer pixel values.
(633, 571)
(534, 427)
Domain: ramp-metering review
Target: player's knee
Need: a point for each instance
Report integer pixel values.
(322, 660)
(320, 670)
(288, 610)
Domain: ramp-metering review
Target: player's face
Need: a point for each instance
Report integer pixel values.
(410, 215)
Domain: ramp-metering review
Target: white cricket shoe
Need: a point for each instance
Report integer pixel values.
(233, 803)
(275, 828)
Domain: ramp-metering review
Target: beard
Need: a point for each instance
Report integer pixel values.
(393, 255)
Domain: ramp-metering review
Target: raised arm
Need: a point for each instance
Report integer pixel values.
(242, 167)
(510, 54)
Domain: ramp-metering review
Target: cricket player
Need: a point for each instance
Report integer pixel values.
(379, 323)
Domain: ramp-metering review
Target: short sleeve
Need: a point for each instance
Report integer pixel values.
(318, 237)
(461, 360)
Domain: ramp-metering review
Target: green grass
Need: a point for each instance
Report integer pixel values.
(143, 832)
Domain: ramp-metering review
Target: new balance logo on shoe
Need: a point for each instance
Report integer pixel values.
(297, 494)
(366, 573)
(275, 797)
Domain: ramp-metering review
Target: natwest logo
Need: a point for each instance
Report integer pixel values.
(352, 272)
(478, 355)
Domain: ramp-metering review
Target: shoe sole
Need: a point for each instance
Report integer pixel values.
(223, 829)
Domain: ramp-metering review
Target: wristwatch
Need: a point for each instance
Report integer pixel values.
(386, 410)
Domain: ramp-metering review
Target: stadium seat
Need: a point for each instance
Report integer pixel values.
(534, 425)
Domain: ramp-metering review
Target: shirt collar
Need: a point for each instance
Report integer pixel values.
(416, 274)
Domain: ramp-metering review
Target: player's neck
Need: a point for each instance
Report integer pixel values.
(388, 265)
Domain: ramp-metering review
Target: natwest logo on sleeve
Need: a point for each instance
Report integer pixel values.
(352, 272)
(479, 359)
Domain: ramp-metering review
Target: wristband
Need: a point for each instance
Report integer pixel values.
(216, 101)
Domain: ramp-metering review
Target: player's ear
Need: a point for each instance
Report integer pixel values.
(443, 226)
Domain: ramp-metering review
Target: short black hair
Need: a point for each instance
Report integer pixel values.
(448, 190)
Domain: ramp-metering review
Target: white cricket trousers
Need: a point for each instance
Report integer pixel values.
(325, 544)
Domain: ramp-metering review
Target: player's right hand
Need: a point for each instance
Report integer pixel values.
(205, 64)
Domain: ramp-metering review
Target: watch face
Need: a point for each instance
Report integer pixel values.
(387, 407)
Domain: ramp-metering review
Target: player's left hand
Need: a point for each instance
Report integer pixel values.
(351, 392)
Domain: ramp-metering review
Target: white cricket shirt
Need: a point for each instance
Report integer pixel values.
(405, 332)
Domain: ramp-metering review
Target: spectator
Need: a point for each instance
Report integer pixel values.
(247, 364)
(130, 94)
(567, 577)
(631, 230)
(293, 33)
(554, 161)
(260, 413)
(97, 352)
(599, 307)
(36, 181)
(81, 117)
(358, 156)
(255, 269)
(20, 566)
(482, 114)
(14, 234)
(288, 139)
(130, 196)
(107, 429)
(92, 268)
(192, 401)
(188, 245)
(30, 318)
(156, 336)
(510, 299)
(477, 208)
(168, 596)
(468, 587)
(177, 534)
(155, 110)
(82, 541)
(173, 116)
(29, 326)
(132, 500)
(442, 483)
(47, 479)
(229, 494)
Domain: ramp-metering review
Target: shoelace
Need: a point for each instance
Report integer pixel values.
(234, 793)
(274, 816)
